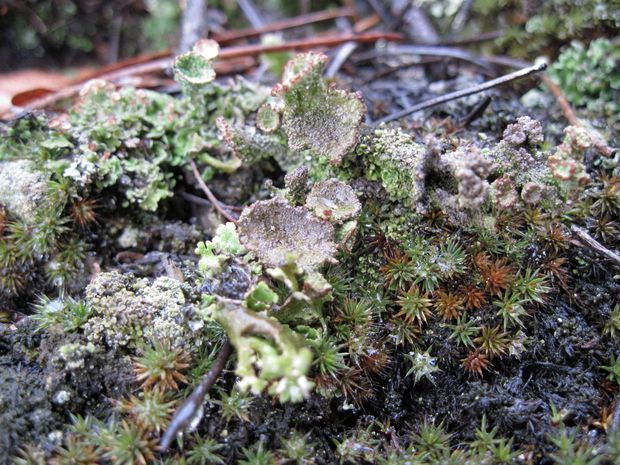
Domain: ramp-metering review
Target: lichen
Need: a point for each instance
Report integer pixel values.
(194, 68)
(270, 356)
(22, 188)
(315, 115)
(333, 200)
(566, 163)
(394, 158)
(278, 233)
(127, 311)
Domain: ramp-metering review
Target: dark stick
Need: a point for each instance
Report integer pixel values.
(441, 50)
(476, 112)
(430, 50)
(462, 93)
(185, 413)
(204, 202)
(482, 37)
(214, 201)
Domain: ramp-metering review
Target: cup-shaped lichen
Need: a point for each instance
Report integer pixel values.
(316, 115)
(194, 68)
(276, 233)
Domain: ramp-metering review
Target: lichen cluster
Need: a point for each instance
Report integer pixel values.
(382, 268)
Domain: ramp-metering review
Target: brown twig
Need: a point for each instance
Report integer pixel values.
(187, 411)
(214, 201)
(462, 93)
(572, 117)
(594, 244)
(305, 44)
(289, 23)
(229, 53)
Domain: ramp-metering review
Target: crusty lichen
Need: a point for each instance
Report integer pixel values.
(126, 311)
(566, 163)
(394, 158)
(22, 188)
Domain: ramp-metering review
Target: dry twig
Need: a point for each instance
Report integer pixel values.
(462, 93)
(594, 244)
(214, 201)
(289, 23)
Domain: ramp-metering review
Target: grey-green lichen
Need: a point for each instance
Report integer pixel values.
(126, 311)
(394, 158)
(278, 233)
(195, 68)
(22, 188)
(521, 165)
(566, 163)
(333, 200)
(315, 115)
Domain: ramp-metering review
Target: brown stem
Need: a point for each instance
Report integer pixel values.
(214, 201)
(305, 44)
(187, 411)
(572, 117)
(160, 64)
(290, 23)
